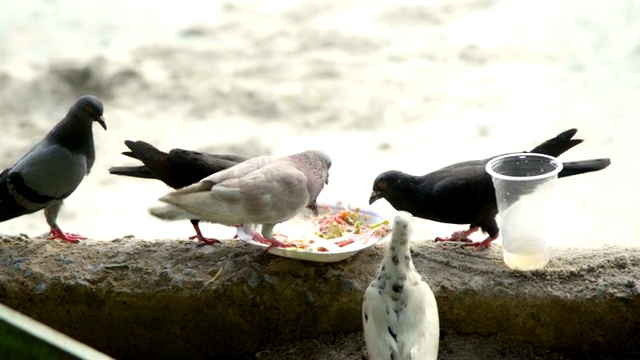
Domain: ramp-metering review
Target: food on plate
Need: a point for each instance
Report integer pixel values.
(337, 229)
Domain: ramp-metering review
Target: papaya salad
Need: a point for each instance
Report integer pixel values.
(338, 229)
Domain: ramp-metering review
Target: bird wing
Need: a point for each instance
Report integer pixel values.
(461, 193)
(179, 155)
(378, 324)
(48, 173)
(269, 194)
(418, 324)
(192, 166)
(49, 170)
(242, 169)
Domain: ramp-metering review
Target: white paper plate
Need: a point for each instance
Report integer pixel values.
(335, 252)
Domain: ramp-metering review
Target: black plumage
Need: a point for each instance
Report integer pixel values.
(177, 168)
(463, 193)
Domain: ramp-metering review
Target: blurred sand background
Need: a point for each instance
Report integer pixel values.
(406, 85)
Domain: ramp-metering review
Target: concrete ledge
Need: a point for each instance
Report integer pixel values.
(171, 299)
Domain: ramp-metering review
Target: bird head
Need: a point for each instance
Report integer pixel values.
(325, 161)
(383, 183)
(91, 108)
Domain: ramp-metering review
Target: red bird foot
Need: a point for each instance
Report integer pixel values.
(481, 245)
(58, 234)
(202, 240)
(460, 236)
(272, 242)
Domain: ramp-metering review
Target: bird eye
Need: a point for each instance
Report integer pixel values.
(89, 109)
(382, 185)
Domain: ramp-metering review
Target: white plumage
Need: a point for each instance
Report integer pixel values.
(399, 310)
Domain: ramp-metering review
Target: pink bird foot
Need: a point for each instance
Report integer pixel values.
(202, 240)
(481, 245)
(460, 236)
(272, 242)
(58, 234)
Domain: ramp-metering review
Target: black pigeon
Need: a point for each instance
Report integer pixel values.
(177, 169)
(463, 193)
(53, 168)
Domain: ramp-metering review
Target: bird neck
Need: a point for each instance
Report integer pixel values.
(74, 134)
(312, 169)
(409, 195)
(399, 256)
(398, 269)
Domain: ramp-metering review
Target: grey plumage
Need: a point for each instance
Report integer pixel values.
(53, 168)
(264, 190)
(399, 310)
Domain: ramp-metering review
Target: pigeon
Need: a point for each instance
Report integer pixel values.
(463, 193)
(53, 168)
(399, 310)
(263, 190)
(177, 169)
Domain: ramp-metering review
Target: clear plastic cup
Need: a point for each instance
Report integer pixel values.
(524, 184)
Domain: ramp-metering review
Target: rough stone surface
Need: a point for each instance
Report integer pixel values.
(135, 299)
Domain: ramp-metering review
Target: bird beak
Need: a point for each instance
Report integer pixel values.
(102, 123)
(375, 195)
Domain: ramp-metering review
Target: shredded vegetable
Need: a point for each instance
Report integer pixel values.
(341, 225)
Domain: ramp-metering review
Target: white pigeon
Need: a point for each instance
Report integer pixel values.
(264, 190)
(399, 310)
(53, 168)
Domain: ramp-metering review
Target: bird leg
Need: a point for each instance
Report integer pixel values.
(200, 237)
(51, 214)
(237, 226)
(461, 236)
(314, 208)
(272, 242)
(481, 245)
(56, 233)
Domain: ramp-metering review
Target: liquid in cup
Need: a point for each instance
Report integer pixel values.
(524, 185)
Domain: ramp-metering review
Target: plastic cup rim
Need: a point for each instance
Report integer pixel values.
(496, 175)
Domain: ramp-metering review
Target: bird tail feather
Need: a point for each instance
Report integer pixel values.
(204, 204)
(130, 154)
(9, 208)
(559, 144)
(170, 212)
(583, 166)
(132, 171)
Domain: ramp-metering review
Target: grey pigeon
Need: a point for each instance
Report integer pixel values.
(463, 193)
(399, 310)
(53, 168)
(177, 168)
(263, 190)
